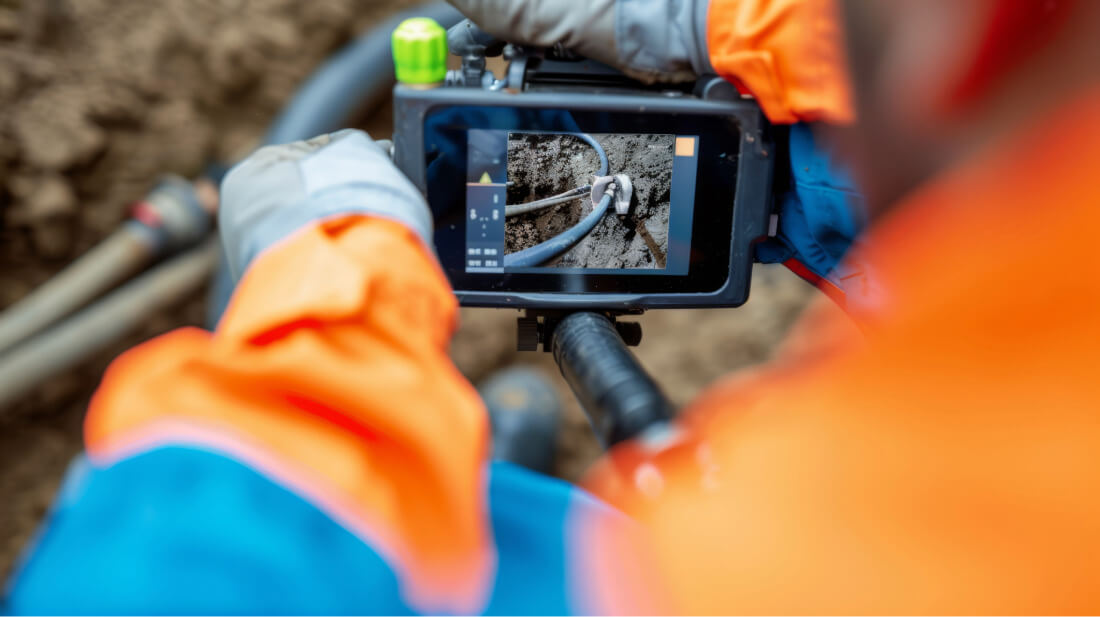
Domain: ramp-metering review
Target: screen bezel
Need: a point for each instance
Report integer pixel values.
(712, 222)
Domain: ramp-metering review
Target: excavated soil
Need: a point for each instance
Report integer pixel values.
(100, 97)
(541, 166)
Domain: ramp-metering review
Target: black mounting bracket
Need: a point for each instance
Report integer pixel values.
(536, 328)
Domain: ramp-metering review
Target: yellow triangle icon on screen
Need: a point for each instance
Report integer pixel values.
(485, 179)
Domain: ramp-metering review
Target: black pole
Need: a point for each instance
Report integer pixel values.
(620, 398)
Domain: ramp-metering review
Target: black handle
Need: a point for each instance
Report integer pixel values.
(620, 398)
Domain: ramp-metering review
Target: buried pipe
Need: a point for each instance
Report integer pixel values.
(104, 323)
(571, 195)
(605, 165)
(356, 77)
(541, 253)
(175, 214)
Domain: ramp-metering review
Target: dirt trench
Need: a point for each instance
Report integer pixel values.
(100, 97)
(97, 99)
(541, 166)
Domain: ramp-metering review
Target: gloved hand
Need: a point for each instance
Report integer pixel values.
(281, 189)
(650, 40)
(819, 217)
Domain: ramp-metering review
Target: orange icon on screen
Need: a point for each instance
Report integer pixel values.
(685, 146)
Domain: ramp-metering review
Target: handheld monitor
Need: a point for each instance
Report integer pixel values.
(566, 198)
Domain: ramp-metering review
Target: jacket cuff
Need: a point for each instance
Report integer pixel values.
(789, 54)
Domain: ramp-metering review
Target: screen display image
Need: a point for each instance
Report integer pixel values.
(548, 201)
(517, 196)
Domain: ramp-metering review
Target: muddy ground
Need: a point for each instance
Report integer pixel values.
(541, 166)
(99, 97)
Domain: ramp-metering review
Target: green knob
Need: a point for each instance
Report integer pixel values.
(420, 52)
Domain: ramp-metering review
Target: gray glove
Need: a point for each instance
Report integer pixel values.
(281, 189)
(650, 40)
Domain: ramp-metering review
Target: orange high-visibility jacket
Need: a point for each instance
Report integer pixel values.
(948, 461)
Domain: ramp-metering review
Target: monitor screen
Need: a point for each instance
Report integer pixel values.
(536, 201)
(518, 197)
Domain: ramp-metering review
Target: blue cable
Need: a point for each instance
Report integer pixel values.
(356, 77)
(541, 253)
(588, 139)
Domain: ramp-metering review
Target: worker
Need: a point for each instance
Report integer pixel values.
(318, 452)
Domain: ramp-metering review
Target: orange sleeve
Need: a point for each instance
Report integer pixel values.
(789, 54)
(944, 464)
(330, 374)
